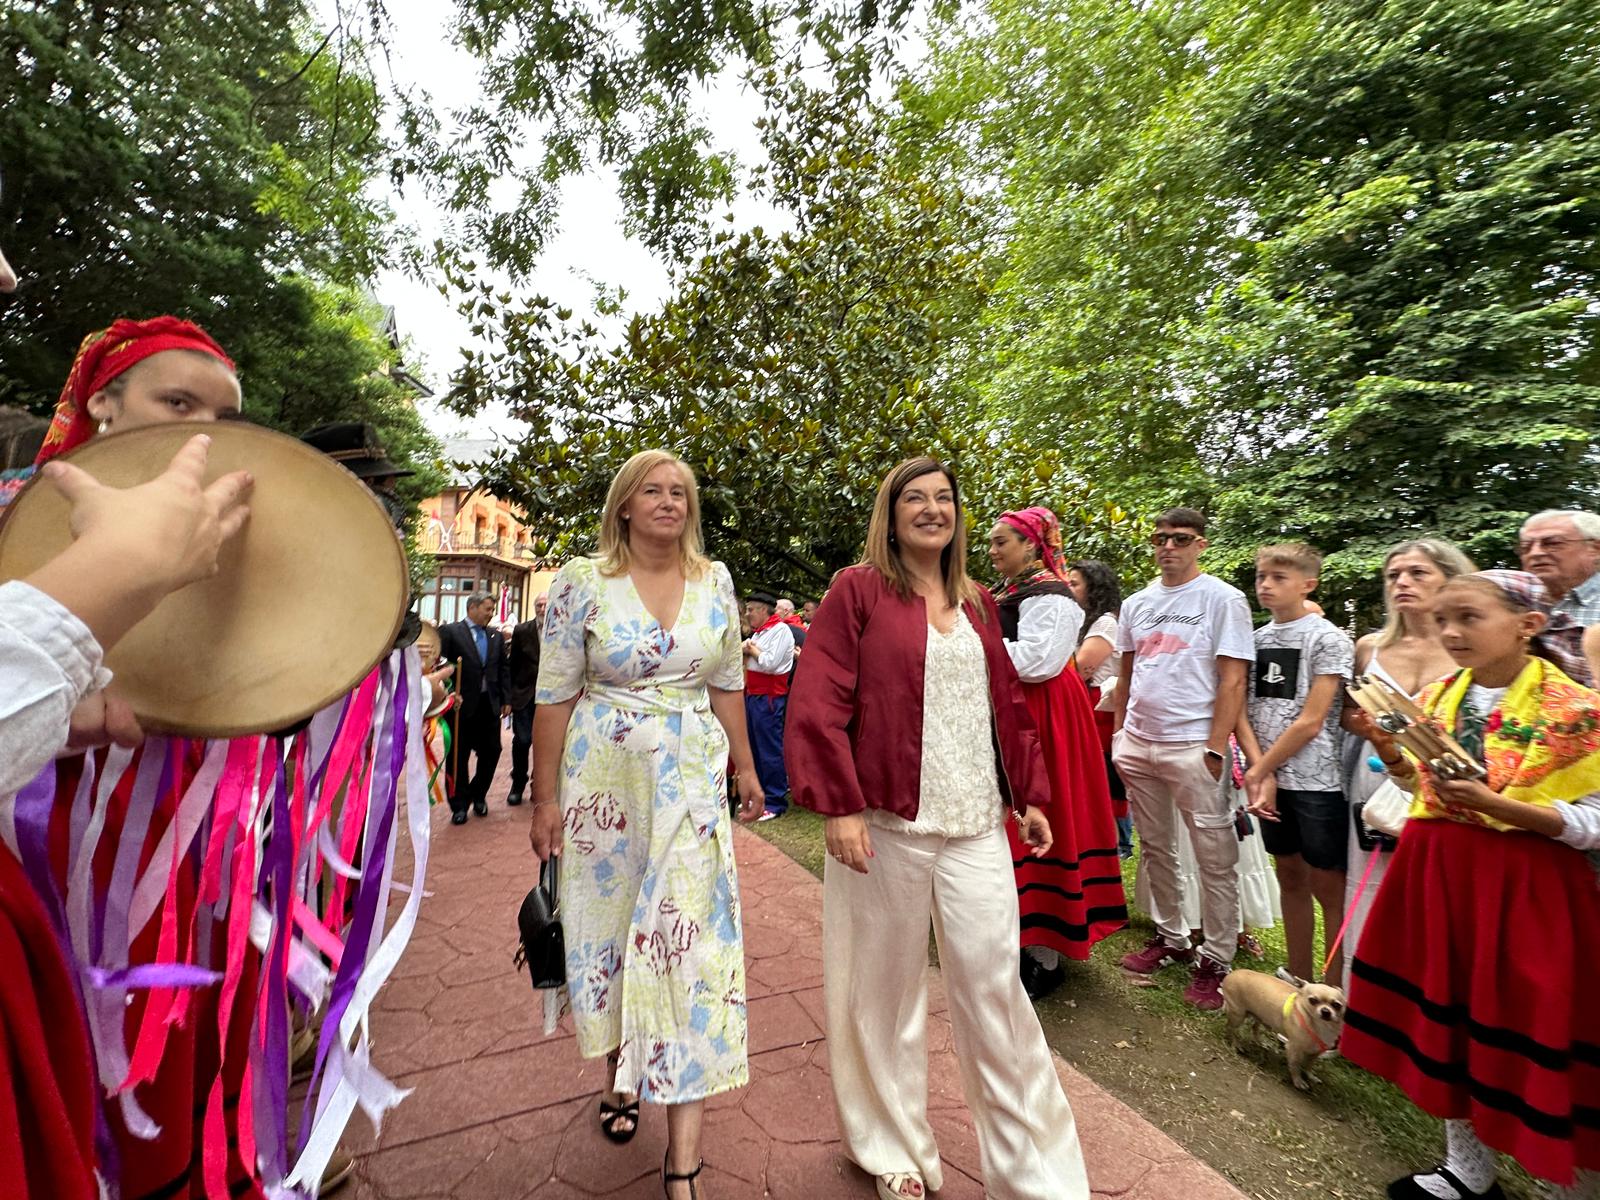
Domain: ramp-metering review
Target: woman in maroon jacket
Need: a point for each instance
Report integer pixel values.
(908, 731)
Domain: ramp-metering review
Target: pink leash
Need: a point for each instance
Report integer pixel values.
(1350, 911)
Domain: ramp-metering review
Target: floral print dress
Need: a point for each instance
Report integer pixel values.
(650, 901)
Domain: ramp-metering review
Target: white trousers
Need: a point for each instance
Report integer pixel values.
(1164, 780)
(875, 972)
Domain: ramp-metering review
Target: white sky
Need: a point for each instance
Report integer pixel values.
(590, 245)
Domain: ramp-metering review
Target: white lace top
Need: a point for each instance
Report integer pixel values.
(960, 794)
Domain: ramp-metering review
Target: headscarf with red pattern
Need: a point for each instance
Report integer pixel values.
(1039, 525)
(104, 356)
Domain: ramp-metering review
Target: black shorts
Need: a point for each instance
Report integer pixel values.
(1314, 825)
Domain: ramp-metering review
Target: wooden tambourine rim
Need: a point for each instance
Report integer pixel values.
(304, 457)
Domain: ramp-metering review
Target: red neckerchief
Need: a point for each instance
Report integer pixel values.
(1294, 1004)
(1040, 576)
(775, 619)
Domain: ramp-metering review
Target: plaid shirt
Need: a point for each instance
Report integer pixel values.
(1582, 603)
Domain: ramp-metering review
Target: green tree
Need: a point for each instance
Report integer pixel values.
(1325, 267)
(790, 370)
(1412, 343)
(621, 84)
(212, 161)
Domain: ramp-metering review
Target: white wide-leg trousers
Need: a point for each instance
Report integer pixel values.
(875, 950)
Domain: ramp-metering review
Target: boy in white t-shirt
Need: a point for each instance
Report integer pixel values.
(1186, 644)
(1292, 741)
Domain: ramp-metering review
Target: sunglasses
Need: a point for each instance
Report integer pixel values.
(1174, 539)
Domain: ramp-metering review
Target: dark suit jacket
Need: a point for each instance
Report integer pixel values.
(460, 646)
(524, 663)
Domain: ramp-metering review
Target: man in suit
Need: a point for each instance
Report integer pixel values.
(484, 684)
(524, 682)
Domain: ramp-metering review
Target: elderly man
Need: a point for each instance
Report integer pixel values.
(768, 660)
(1562, 547)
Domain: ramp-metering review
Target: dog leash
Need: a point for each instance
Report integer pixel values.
(1350, 909)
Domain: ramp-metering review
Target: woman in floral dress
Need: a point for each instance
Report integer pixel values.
(640, 709)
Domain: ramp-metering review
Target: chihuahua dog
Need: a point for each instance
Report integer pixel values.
(1308, 1016)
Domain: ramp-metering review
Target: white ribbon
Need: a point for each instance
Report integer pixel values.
(186, 822)
(356, 1081)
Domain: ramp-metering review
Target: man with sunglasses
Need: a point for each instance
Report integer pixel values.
(1186, 644)
(1562, 547)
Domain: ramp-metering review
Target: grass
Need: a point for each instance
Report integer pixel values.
(1347, 1094)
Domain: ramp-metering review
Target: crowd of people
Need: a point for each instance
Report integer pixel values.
(982, 758)
(976, 753)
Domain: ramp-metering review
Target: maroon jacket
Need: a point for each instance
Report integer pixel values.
(853, 735)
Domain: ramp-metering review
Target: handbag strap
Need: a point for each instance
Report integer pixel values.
(550, 882)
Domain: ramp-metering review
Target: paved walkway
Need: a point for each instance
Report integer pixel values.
(499, 1112)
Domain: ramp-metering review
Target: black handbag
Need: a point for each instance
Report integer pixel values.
(543, 948)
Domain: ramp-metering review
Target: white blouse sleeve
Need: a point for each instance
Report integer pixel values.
(1580, 822)
(48, 662)
(774, 651)
(1047, 634)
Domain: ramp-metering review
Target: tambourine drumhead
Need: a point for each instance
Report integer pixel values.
(308, 598)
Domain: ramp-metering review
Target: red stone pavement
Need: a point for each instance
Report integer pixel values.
(499, 1112)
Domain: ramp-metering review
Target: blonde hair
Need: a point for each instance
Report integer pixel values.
(1442, 554)
(883, 554)
(614, 557)
(1296, 555)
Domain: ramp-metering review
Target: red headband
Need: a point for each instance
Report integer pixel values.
(102, 358)
(1039, 526)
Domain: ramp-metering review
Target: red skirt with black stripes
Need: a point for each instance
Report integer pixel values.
(1475, 990)
(1073, 896)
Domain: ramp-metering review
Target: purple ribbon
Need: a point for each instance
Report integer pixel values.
(153, 975)
(270, 1080)
(389, 758)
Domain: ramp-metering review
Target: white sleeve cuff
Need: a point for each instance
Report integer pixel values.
(1580, 823)
(40, 620)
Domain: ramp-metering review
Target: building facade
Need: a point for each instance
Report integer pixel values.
(480, 543)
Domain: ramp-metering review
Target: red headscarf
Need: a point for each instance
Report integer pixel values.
(1039, 526)
(105, 355)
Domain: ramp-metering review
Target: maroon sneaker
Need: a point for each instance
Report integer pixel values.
(1205, 989)
(1155, 955)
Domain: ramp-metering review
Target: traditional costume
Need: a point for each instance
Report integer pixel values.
(1073, 897)
(1472, 987)
(199, 889)
(766, 691)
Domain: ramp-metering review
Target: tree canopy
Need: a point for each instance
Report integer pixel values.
(790, 370)
(215, 162)
(1324, 267)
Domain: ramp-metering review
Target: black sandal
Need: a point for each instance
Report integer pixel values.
(610, 1114)
(668, 1179)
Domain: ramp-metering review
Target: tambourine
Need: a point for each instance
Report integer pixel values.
(306, 601)
(1398, 715)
